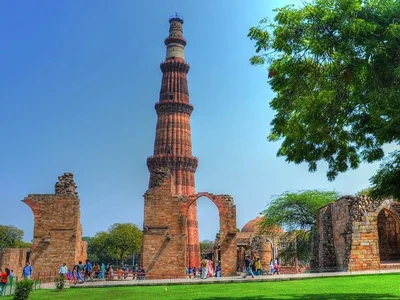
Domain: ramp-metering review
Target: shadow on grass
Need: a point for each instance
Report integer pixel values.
(316, 296)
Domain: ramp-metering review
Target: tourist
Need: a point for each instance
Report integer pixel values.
(27, 271)
(248, 265)
(102, 271)
(218, 273)
(276, 268)
(71, 275)
(3, 280)
(258, 266)
(194, 271)
(190, 271)
(110, 271)
(79, 269)
(88, 270)
(63, 270)
(119, 273)
(271, 267)
(210, 268)
(204, 269)
(11, 276)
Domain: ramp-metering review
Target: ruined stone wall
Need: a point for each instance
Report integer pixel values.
(364, 249)
(326, 249)
(340, 219)
(57, 236)
(164, 231)
(14, 259)
(347, 236)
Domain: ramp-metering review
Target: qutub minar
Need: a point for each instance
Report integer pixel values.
(173, 142)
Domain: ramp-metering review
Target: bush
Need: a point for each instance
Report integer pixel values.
(60, 282)
(22, 289)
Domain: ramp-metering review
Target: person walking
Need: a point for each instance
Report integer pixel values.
(79, 269)
(204, 269)
(27, 271)
(249, 265)
(258, 266)
(3, 280)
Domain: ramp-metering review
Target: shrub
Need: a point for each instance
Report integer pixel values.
(60, 282)
(22, 289)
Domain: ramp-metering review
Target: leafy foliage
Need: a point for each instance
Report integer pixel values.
(206, 245)
(11, 237)
(296, 213)
(124, 239)
(23, 289)
(386, 180)
(367, 192)
(119, 241)
(60, 283)
(335, 68)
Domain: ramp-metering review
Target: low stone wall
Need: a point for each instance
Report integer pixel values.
(14, 259)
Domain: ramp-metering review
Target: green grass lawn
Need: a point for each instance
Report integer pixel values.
(347, 288)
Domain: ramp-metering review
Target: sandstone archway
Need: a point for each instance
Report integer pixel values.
(389, 235)
(227, 231)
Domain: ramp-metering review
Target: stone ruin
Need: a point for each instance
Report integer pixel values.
(357, 233)
(66, 185)
(165, 229)
(57, 236)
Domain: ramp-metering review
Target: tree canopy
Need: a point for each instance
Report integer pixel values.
(296, 214)
(12, 237)
(121, 240)
(335, 68)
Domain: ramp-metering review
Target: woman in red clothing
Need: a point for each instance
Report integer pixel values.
(3, 281)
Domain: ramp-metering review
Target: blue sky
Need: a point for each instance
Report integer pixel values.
(78, 84)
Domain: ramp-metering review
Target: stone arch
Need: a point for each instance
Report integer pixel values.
(227, 229)
(388, 226)
(262, 247)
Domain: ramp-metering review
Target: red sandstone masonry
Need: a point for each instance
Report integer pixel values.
(165, 243)
(173, 144)
(57, 236)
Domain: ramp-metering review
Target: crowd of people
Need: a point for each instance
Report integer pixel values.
(206, 269)
(89, 271)
(7, 276)
(254, 267)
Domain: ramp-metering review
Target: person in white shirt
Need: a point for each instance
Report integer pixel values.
(63, 270)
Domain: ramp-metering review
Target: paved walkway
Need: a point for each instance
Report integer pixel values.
(235, 279)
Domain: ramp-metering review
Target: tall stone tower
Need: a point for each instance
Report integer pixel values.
(173, 142)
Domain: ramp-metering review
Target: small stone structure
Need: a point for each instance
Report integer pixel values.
(357, 233)
(57, 236)
(166, 226)
(250, 242)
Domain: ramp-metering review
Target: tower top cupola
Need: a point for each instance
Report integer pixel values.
(175, 42)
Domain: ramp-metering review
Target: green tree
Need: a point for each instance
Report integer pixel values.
(296, 214)
(206, 245)
(386, 181)
(335, 68)
(11, 237)
(367, 192)
(124, 239)
(99, 249)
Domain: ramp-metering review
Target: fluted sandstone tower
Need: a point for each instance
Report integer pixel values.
(173, 142)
